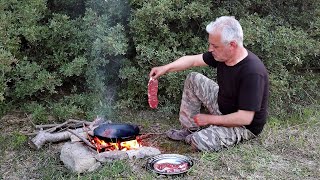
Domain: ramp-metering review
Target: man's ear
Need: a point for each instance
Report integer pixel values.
(233, 44)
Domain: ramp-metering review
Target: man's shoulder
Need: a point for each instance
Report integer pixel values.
(253, 64)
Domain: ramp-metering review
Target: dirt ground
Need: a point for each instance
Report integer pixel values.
(281, 152)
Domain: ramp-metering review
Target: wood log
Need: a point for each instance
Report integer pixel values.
(50, 134)
(44, 137)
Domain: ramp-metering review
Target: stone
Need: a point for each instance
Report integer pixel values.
(142, 152)
(110, 156)
(78, 157)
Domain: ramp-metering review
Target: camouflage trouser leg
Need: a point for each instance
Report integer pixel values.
(214, 138)
(198, 90)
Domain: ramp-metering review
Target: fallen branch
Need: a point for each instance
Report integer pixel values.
(71, 123)
(43, 137)
(147, 135)
(65, 123)
(46, 126)
(82, 138)
(50, 134)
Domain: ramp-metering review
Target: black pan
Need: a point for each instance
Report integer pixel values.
(114, 132)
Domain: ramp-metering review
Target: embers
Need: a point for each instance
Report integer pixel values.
(115, 145)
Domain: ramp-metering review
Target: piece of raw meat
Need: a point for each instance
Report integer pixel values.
(153, 93)
(171, 168)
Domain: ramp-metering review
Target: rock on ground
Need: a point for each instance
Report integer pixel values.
(78, 158)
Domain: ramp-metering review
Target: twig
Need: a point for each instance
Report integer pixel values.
(29, 134)
(46, 126)
(86, 130)
(65, 123)
(56, 127)
(147, 135)
(83, 139)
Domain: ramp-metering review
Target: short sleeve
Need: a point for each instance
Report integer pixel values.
(251, 92)
(208, 59)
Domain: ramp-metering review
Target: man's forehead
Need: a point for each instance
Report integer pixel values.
(214, 38)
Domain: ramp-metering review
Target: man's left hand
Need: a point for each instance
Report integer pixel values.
(202, 119)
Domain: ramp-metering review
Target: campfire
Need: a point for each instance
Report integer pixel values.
(103, 146)
(94, 143)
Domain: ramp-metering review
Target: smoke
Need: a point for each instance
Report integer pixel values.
(108, 49)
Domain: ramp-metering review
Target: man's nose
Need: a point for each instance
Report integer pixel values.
(210, 48)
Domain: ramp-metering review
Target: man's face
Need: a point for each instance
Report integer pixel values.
(220, 51)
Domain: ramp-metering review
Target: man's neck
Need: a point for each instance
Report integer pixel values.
(240, 54)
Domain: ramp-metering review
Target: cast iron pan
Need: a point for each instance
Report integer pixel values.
(114, 132)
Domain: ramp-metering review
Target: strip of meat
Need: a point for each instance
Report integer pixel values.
(153, 93)
(171, 168)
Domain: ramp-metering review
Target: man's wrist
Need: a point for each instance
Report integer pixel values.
(215, 119)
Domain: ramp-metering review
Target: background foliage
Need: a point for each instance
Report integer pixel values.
(285, 34)
(76, 57)
(58, 57)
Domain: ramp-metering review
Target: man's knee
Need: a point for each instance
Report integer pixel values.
(203, 142)
(192, 75)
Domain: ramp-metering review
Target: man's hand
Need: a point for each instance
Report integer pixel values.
(239, 118)
(157, 72)
(202, 119)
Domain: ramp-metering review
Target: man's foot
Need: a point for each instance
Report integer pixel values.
(179, 135)
(188, 139)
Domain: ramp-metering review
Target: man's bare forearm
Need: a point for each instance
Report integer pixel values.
(184, 62)
(239, 118)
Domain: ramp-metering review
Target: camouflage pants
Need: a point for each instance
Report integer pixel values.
(199, 90)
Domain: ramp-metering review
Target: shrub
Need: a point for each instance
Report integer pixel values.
(53, 50)
(164, 30)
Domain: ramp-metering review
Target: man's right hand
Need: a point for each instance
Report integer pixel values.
(157, 72)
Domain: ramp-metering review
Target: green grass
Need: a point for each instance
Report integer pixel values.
(287, 149)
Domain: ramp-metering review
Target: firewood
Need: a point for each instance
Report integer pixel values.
(43, 137)
(65, 124)
(147, 135)
(50, 135)
(71, 123)
(46, 126)
(82, 138)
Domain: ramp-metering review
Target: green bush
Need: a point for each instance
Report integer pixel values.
(68, 58)
(54, 50)
(283, 50)
(162, 31)
(165, 30)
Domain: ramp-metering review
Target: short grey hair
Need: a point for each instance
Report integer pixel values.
(230, 28)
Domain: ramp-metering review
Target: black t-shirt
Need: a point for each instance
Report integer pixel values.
(244, 86)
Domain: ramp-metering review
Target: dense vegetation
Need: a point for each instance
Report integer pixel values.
(85, 57)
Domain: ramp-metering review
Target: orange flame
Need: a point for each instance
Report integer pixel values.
(109, 146)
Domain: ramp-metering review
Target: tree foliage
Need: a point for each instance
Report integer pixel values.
(283, 33)
(57, 54)
(69, 58)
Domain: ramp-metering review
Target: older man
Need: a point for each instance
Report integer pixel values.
(237, 102)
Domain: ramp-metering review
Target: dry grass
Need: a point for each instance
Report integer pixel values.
(283, 151)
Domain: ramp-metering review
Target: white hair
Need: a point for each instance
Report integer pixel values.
(230, 28)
